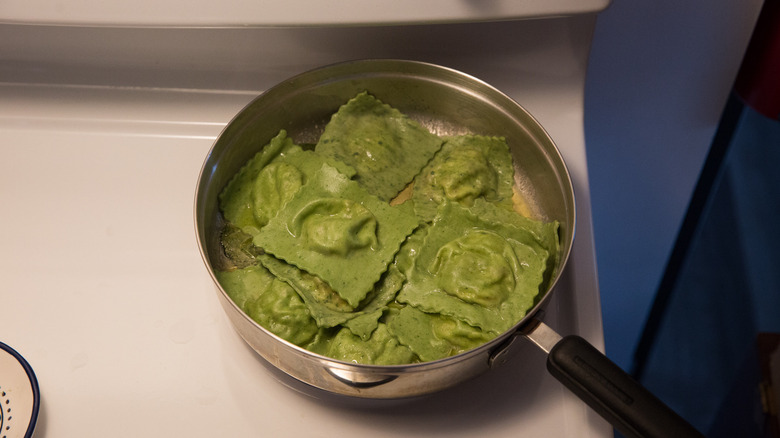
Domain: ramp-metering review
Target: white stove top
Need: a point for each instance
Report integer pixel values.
(105, 294)
(189, 13)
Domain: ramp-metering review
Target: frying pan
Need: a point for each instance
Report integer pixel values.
(447, 102)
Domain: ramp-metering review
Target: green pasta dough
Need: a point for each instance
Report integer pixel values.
(336, 230)
(386, 148)
(268, 181)
(467, 168)
(485, 274)
(327, 308)
(237, 200)
(270, 302)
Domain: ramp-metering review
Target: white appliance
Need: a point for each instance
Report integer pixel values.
(107, 111)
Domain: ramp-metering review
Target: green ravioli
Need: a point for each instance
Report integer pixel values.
(272, 303)
(384, 146)
(327, 308)
(483, 273)
(236, 199)
(543, 233)
(467, 168)
(337, 231)
(434, 336)
(268, 181)
(382, 348)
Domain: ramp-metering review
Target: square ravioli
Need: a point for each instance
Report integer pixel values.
(337, 231)
(467, 168)
(327, 308)
(434, 336)
(236, 200)
(269, 180)
(385, 147)
(483, 273)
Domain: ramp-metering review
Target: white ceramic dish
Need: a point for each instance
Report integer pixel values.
(20, 398)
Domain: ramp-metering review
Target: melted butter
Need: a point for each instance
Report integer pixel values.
(404, 195)
(520, 205)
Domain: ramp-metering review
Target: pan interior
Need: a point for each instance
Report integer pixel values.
(445, 101)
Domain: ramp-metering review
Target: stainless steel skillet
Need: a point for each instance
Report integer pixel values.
(447, 102)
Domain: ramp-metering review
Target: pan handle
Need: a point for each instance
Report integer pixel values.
(611, 392)
(359, 380)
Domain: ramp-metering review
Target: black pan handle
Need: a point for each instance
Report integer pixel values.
(613, 393)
